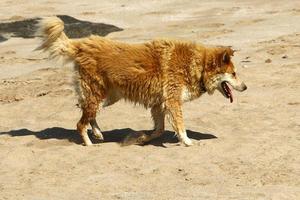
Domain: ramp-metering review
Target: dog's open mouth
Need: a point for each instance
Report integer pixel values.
(227, 91)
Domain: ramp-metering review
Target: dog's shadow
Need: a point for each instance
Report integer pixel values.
(117, 135)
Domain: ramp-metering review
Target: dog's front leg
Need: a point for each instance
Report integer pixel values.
(175, 117)
(158, 117)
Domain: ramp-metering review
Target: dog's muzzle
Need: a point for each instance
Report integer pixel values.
(242, 87)
(235, 84)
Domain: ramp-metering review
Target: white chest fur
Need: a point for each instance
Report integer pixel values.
(186, 95)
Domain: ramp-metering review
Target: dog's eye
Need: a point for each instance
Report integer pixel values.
(233, 74)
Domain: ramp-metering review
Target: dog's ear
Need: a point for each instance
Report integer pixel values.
(227, 53)
(234, 50)
(225, 57)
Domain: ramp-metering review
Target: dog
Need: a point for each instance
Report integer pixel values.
(160, 75)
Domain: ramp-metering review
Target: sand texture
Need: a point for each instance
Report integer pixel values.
(249, 149)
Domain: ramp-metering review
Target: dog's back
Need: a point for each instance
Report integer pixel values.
(130, 71)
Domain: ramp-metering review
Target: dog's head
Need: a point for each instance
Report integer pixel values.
(219, 72)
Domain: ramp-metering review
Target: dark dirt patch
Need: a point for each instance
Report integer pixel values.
(74, 28)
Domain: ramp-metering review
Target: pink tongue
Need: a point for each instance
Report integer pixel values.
(230, 96)
(229, 92)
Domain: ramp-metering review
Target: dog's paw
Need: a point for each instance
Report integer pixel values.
(187, 142)
(88, 144)
(142, 139)
(134, 138)
(97, 134)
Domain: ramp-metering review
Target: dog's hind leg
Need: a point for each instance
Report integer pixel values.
(111, 98)
(90, 103)
(88, 113)
(96, 130)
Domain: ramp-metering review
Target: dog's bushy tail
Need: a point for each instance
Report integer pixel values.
(54, 40)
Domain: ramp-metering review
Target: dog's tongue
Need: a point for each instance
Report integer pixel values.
(230, 96)
(229, 93)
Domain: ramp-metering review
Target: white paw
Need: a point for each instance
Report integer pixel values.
(187, 141)
(88, 143)
(97, 134)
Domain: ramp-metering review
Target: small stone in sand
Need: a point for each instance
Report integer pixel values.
(246, 59)
(284, 57)
(268, 60)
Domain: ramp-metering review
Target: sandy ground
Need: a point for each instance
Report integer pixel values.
(246, 150)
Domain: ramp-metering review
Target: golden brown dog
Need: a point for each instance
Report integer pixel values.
(160, 75)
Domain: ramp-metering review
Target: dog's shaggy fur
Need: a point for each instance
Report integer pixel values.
(160, 75)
